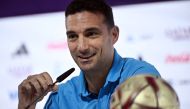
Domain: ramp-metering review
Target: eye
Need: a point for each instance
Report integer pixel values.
(91, 33)
(72, 36)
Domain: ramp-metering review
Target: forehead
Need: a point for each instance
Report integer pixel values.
(84, 19)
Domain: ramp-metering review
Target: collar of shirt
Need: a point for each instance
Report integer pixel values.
(113, 75)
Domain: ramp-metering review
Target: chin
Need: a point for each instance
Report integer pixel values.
(86, 68)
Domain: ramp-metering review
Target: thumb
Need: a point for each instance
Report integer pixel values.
(55, 88)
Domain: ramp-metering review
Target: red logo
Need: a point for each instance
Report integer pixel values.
(181, 58)
(57, 45)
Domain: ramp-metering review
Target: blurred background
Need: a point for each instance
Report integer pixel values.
(33, 40)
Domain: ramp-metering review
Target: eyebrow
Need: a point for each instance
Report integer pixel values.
(88, 29)
(92, 29)
(70, 32)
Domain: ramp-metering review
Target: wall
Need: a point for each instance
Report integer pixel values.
(156, 32)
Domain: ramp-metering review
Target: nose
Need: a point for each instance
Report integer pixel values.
(83, 45)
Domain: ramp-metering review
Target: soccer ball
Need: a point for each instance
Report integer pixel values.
(144, 92)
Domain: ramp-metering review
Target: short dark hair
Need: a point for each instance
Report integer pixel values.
(94, 6)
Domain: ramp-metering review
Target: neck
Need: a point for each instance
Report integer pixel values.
(96, 82)
(96, 78)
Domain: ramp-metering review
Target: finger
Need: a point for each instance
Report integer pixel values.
(28, 84)
(31, 76)
(55, 88)
(50, 82)
(43, 82)
(48, 78)
(25, 88)
(36, 87)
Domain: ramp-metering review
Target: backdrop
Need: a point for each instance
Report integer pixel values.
(155, 32)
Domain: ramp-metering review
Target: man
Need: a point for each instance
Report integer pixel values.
(91, 34)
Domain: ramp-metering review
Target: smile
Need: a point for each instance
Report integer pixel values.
(86, 58)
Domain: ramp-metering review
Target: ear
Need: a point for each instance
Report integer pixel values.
(115, 34)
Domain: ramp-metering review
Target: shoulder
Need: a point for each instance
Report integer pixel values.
(134, 67)
(136, 63)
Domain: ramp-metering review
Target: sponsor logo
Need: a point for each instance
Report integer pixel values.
(175, 81)
(21, 51)
(13, 95)
(132, 38)
(181, 58)
(19, 65)
(57, 45)
(184, 82)
(20, 70)
(181, 33)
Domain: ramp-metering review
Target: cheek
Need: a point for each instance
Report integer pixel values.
(97, 43)
(107, 47)
(72, 46)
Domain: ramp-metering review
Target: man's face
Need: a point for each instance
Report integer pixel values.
(89, 40)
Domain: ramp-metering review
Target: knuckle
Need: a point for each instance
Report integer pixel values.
(45, 73)
(30, 76)
(23, 83)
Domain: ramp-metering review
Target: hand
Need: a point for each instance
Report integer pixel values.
(32, 87)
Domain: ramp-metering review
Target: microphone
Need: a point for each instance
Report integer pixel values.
(58, 79)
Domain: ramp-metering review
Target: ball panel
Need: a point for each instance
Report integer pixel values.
(144, 92)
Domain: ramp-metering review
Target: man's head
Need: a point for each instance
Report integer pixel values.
(94, 6)
(90, 35)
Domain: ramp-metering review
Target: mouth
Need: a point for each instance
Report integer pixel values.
(85, 58)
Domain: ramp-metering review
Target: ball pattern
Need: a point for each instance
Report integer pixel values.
(144, 92)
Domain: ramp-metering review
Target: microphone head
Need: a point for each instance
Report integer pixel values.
(65, 75)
